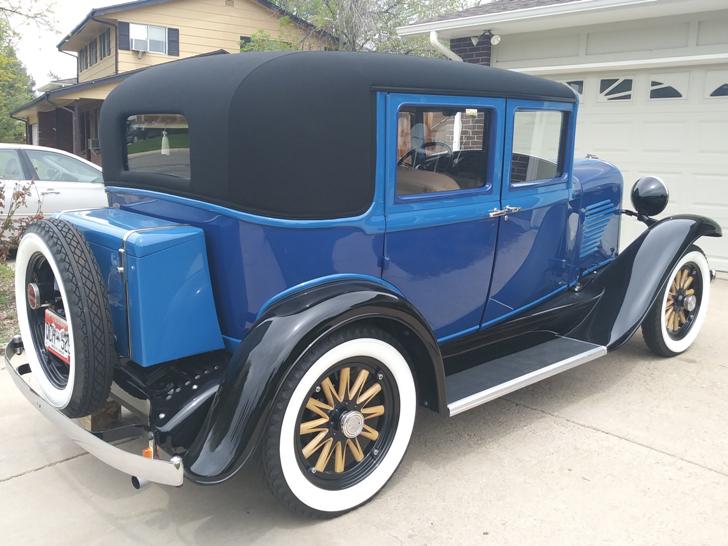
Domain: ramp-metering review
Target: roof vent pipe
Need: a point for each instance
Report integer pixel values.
(442, 48)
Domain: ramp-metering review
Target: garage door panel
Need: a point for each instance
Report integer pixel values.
(713, 137)
(684, 141)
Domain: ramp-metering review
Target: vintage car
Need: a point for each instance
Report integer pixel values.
(302, 248)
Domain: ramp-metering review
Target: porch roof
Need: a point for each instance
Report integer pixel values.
(97, 89)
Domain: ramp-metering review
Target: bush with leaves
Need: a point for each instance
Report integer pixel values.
(13, 197)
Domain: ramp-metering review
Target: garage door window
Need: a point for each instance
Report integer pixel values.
(615, 89)
(720, 91)
(538, 140)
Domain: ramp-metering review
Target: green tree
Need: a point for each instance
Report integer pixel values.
(16, 87)
(361, 25)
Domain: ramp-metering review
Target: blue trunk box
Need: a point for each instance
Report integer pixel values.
(158, 283)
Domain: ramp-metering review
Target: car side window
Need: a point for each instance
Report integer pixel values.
(442, 149)
(538, 140)
(54, 167)
(10, 168)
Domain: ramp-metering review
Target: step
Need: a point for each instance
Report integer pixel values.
(501, 376)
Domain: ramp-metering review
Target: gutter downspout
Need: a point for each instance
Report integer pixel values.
(442, 48)
(28, 135)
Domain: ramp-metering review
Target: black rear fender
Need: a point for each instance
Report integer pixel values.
(281, 336)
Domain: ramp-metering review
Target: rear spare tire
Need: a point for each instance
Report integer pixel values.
(64, 319)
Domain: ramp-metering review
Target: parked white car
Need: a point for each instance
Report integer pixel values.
(61, 181)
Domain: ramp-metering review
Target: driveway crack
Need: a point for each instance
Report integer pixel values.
(619, 437)
(33, 470)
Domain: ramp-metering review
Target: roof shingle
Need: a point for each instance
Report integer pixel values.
(498, 6)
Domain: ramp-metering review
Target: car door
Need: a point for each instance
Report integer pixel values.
(65, 182)
(14, 176)
(442, 165)
(538, 223)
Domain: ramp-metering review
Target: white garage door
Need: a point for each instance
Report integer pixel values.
(673, 124)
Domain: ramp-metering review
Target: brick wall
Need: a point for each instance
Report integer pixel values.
(477, 54)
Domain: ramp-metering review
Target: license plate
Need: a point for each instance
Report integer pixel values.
(56, 336)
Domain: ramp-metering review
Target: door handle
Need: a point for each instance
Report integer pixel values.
(50, 192)
(495, 213)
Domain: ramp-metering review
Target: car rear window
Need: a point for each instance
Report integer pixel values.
(158, 143)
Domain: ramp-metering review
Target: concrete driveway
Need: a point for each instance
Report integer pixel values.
(630, 449)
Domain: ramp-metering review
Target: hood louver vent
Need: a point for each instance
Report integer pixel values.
(596, 219)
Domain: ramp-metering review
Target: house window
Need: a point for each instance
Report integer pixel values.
(158, 143)
(615, 89)
(442, 149)
(148, 38)
(720, 91)
(93, 52)
(105, 44)
(83, 59)
(537, 145)
(576, 85)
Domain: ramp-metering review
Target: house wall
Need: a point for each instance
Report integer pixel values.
(206, 25)
(693, 34)
(104, 67)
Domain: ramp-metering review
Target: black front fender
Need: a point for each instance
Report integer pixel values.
(631, 283)
(239, 413)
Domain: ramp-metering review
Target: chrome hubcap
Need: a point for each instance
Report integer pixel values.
(352, 424)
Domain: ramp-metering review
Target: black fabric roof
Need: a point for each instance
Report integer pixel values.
(288, 134)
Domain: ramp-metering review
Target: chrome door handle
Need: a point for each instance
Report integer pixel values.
(50, 192)
(495, 213)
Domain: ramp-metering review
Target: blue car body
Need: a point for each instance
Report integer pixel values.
(477, 270)
(260, 203)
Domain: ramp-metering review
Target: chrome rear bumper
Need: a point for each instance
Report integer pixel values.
(143, 469)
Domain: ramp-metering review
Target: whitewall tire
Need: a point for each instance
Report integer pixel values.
(341, 423)
(56, 275)
(678, 314)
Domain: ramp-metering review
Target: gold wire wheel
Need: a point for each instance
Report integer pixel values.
(344, 420)
(682, 300)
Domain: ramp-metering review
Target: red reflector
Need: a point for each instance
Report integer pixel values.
(33, 296)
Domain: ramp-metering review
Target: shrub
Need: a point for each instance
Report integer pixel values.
(12, 199)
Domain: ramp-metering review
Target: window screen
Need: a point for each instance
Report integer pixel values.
(537, 145)
(441, 149)
(158, 143)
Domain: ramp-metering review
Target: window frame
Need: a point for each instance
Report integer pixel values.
(146, 28)
(560, 166)
(29, 152)
(566, 151)
(620, 96)
(437, 101)
(447, 206)
(171, 181)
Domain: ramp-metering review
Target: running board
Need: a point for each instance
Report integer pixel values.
(496, 378)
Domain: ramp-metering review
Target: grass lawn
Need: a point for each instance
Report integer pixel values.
(175, 141)
(8, 320)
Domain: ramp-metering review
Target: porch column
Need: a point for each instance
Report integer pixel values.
(76, 129)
